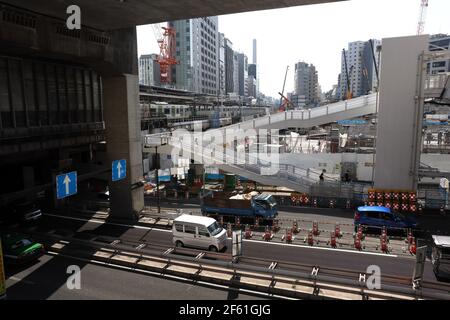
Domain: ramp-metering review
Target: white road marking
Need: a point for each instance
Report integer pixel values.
(20, 280)
(249, 240)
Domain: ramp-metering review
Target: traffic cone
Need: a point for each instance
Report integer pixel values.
(316, 231)
(267, 234)
(384, 246)
(295, 227)
(333, 240)
(248, 233)
(410, 237)
(358, 245)
(289, 238)
(310, 238)
(337, 230)
(413, 247)
(275, 226)
(229, 231)
(359, 233)
(238, 222)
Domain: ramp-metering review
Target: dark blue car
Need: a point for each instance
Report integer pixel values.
(378, 217)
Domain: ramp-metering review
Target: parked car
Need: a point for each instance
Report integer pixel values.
(24, 212)
(19, 249)
(378, 217)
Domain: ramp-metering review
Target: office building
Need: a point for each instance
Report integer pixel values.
(197, 53)
(361, 58)
(149, 70)
(306, 85)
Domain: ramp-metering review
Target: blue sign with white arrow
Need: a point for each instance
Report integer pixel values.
(119, 169)
(66, 184)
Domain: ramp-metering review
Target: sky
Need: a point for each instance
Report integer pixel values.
(315, 34)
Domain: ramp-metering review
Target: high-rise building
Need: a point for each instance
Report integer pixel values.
(222, 76)
(229, 66)
(254, 62)
(149, 70)
(439, 42)
(306, 85)
(198, 54)
(243, 74)
(235, 73)
(360, 67)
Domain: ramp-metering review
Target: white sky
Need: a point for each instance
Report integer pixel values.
(315, 34)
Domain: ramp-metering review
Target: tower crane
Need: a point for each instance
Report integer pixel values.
(165, 36)
(349, 93)
(422, 16)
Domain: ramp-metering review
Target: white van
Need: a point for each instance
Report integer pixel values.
(199, 232)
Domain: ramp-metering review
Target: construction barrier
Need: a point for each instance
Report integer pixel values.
(397, 200)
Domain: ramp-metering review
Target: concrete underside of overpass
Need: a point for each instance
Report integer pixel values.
(119, 14)
(107, 45)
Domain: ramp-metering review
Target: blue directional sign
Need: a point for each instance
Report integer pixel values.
(66, 184)
(119, 169)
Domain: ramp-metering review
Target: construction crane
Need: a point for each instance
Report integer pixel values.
(422, 16)
(349, 93)
(165, 36)
(282, 106)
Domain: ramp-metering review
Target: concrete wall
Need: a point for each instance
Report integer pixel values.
(398, 125)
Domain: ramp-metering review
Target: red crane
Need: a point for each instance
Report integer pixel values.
(167, 47)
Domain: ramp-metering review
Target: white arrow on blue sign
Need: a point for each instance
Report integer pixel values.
(66, 184)
(119, 169)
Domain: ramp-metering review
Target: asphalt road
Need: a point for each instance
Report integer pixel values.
(47, 279)
(323, 257)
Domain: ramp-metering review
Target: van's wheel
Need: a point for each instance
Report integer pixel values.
(213, 248)
(179, 244)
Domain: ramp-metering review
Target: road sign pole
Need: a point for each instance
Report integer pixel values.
(2, 275)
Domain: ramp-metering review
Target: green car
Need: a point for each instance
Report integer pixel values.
(19, 249)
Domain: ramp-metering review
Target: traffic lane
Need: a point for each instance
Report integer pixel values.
(93, 227)
(47, 280)
(332, 258)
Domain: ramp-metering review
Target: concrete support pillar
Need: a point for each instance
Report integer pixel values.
(400, 113)
(123, 137)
